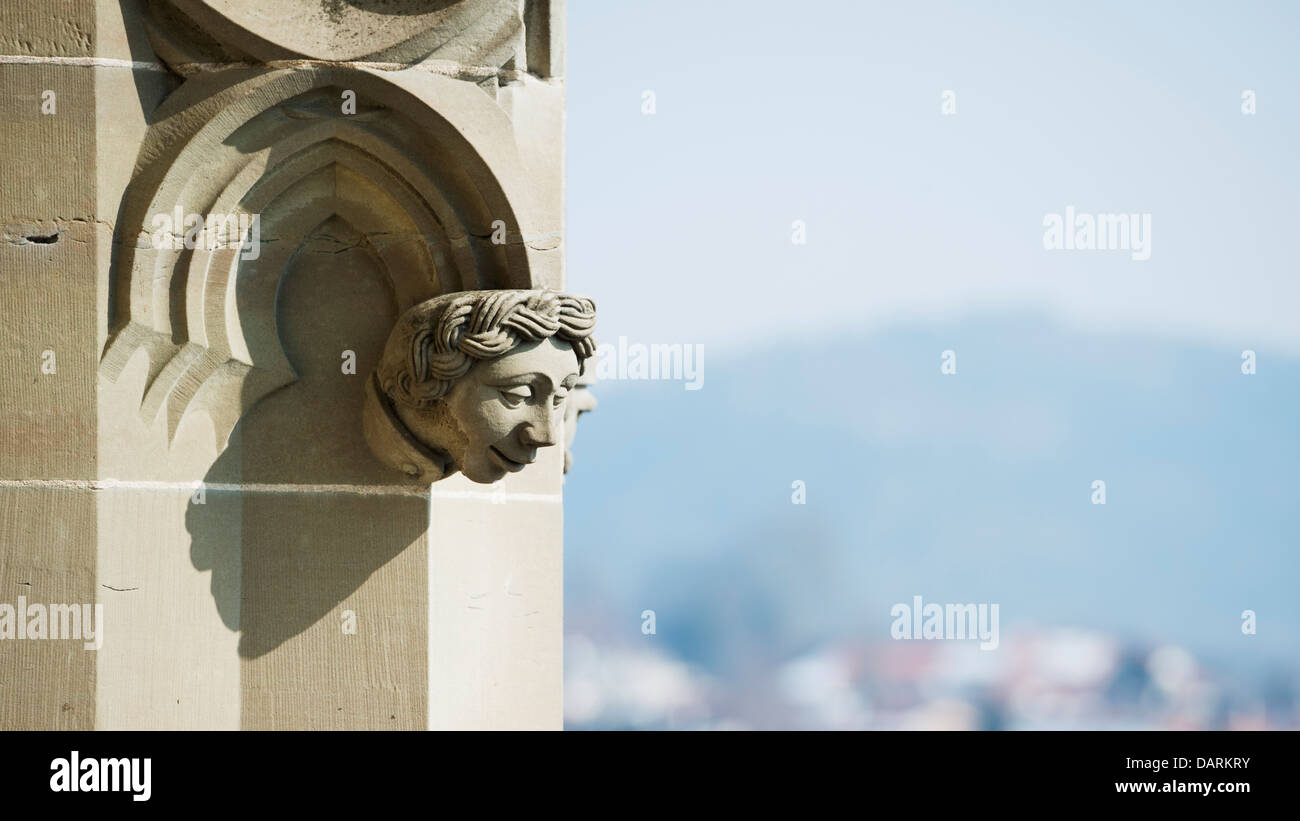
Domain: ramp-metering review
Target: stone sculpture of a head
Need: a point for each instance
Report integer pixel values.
(477, 381)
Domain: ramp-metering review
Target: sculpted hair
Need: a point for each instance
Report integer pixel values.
(436, 342)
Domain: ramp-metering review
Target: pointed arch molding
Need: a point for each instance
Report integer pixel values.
(472, 34)
(422, 170)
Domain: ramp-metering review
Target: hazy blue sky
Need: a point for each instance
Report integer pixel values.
(829, 112)
(925, 233)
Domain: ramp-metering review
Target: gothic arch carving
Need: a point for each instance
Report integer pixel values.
(423, 169)
(471, 35)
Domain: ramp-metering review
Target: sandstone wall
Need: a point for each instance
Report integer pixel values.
(181, 439)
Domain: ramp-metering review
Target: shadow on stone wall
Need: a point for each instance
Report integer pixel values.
(281, 561)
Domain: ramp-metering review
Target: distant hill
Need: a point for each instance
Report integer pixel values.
(974, 487)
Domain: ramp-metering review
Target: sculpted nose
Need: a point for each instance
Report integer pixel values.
(540, 430)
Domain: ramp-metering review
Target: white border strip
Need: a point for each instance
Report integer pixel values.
(85, 62)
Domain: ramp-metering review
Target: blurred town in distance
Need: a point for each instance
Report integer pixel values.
(1048, 680)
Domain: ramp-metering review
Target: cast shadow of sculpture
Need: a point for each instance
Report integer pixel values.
(345, 246)
(341, 256)
(475, 382)
(284, 549)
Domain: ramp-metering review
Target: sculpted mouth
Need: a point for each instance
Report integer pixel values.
(506, 462)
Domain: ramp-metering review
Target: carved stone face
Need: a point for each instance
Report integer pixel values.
(508, 408)
(477, 382)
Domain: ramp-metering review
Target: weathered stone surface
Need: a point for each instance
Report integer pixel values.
(496, 615)
(57, 28)
(479, 33)
(195, 461)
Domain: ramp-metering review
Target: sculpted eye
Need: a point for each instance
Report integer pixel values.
(559, 399)
(514, 397)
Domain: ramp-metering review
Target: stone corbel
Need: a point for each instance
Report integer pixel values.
(477, 382)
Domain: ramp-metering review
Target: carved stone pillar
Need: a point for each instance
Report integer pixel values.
(244, 199)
